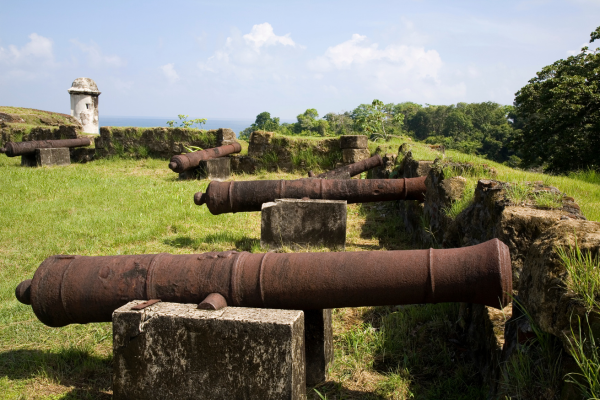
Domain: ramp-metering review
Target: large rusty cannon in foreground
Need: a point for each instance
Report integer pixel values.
(350, 170)
(14, 149)
(184, 162)
(79, 289)
(242, 196)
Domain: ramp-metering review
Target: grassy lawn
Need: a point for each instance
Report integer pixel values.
(127, 206)
(121, 206)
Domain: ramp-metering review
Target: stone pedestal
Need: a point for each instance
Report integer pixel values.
(215, 169)
(47, 157)
(175, 351)
(354, 148)
(300, 223)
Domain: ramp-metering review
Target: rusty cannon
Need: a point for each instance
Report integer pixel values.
(14, 149)
(348, 171)
(244, 196)
(184, 162)
(68, 289)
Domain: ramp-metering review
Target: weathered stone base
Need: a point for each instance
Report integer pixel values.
(350, 156)
(301, 223)
(175, 351)
(215, 169)
(47, 158)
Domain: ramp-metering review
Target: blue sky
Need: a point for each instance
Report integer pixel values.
(235, 59)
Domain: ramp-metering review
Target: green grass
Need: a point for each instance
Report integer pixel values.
(119, 206)
(459, 205)
(583, 186)
(585, 350)
(584, 281)
(400, 353)
(584, 275)
(534, 370)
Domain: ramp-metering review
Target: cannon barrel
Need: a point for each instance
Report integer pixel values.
(184, 162)
(350, 170)
(242, 196)
(80, 289)
(14, 149)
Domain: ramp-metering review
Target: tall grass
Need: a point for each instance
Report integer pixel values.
(589, 175)
(584, 275)
(533, 371)
(585, 350)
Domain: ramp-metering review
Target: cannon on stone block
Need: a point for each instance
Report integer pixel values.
(68, 289)
(244, 196)
(184, 162)
(348, 171)
(13, 149)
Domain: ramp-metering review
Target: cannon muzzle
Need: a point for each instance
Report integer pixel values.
(14, 149)
(350, 170)
(184, 162)
(81, 289)
(244, 196)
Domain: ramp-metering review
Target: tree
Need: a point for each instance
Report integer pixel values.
(375, 118)
(263, 122)
(185, 123)
(558, 113)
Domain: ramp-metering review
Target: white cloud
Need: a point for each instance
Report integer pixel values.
(394, 71)
(38, 49)
(170, 73)
(96, 58)
(356, 52)
(259, 55)
(263, 35)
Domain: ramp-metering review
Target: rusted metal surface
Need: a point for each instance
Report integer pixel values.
(184, 162)
(83, 289)
(243, 196)
(213, 301)
(14, 149)
(145, 304)
(350, 170)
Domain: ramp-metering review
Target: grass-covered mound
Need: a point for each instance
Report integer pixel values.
(19, 121)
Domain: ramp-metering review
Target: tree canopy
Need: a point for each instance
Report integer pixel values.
(558, 113)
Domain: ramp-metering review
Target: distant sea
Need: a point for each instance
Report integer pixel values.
(237, 125)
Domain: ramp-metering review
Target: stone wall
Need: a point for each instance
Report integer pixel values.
(266, 150)
(532, 234)
(157, 142)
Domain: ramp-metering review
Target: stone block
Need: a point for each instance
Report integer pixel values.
(300, 223)
(243, 164)
(215, 169)
(261, 137)
(50, 157)
(175, 351)
(47, 158)
(318, 336)
(353, 142)
(257, 150)
(82, 154)
(225, 136)
(350, 156)
(414, 168)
